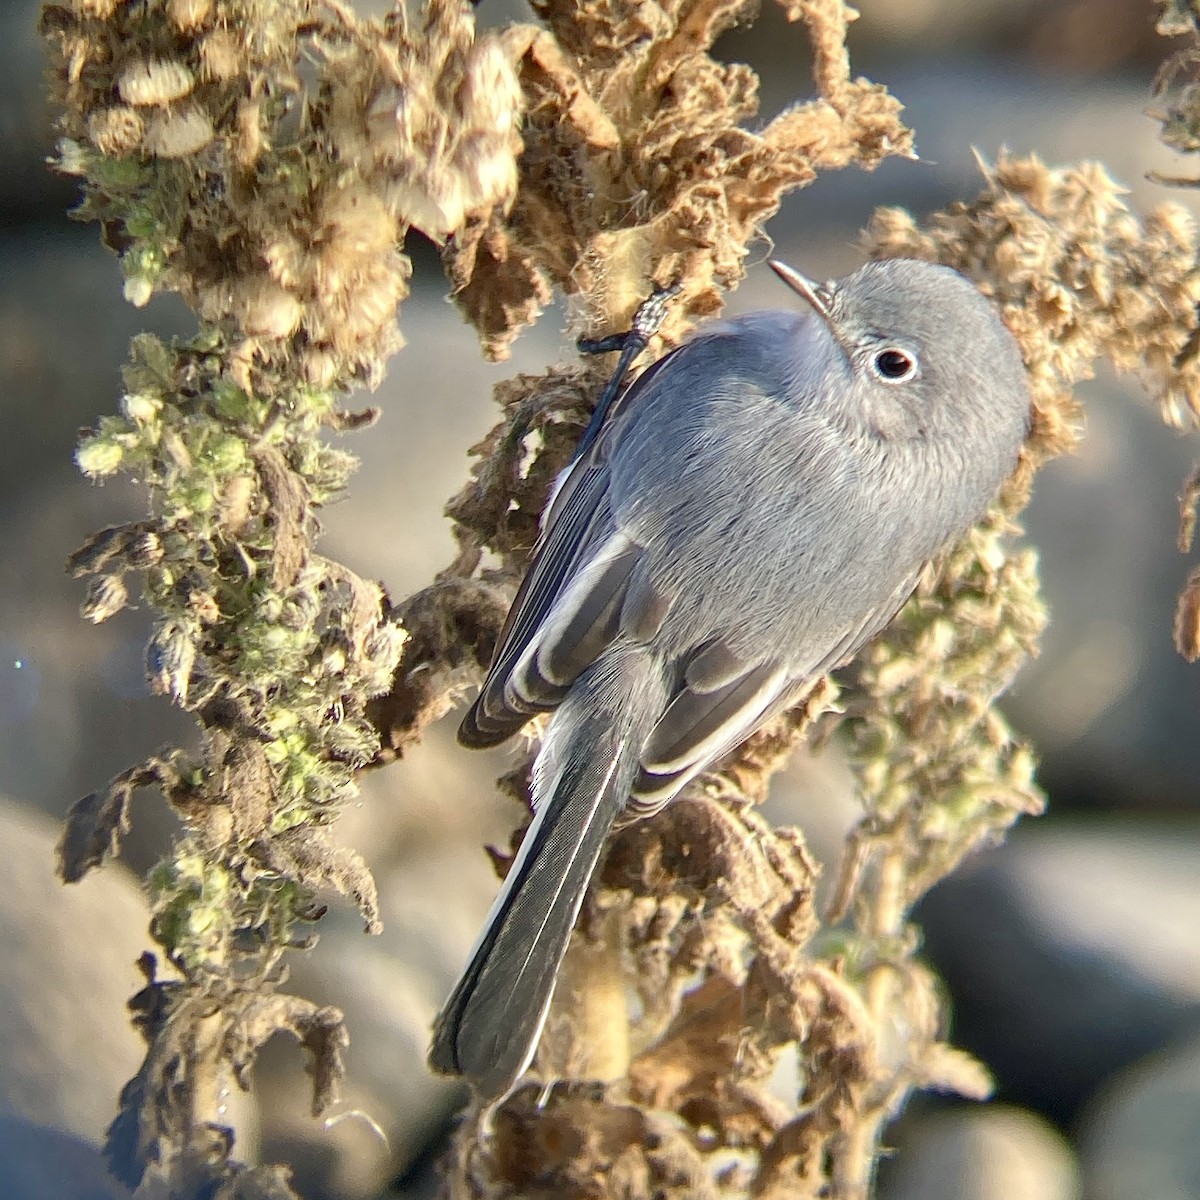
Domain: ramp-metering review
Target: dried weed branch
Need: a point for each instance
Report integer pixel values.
(706, 890)
(265, 161)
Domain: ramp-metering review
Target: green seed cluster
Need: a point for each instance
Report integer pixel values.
(252, 631)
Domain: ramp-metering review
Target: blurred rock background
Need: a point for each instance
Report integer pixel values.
(1071, 955)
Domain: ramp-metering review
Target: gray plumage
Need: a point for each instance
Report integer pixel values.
(756, 506)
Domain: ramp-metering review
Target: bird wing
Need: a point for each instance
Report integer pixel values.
(575, 597)
(720, 701)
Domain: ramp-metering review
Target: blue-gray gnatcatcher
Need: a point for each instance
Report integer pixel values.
(748, 513)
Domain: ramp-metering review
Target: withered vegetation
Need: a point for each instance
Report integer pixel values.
(265, 161)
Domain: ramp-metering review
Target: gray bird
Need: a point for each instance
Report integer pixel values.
(750, 511)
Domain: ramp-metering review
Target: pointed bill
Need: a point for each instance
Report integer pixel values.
(814, 293)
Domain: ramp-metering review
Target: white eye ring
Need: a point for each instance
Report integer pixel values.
(893, 365)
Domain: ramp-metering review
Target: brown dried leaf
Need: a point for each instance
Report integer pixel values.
(193, 1035)
(156, 1135)
(700, 1050)
(351, 422)
(1187, 618)
(497, 281)
(288, 514)
(453, 626)
(308, 855)
(945, 1068)
(104, 549)
(96, 824)
(519, 459)
(636, 164)
(1178, 18)
(1188, 499)
(321, 1030)
(585, 116)
(247, 787)
(827, 21)
(363, 607)
(578, 1148)
(793, 1165)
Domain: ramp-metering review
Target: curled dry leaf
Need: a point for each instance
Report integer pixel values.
(1187, 618)
(1189, 496)
(453, 626)
(311, 857)
(96, 824)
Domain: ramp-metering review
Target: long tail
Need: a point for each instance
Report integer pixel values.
(488, 1029)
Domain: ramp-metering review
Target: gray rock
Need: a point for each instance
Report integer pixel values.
(1069, 953)
(1139, 1136)
(69, 955)
(38, 1163)
(989, 1153)
(69, 959)
(1111, 706)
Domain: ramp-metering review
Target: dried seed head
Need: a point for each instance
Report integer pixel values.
(189, 15)
(99, 456)
(141, 407)
(72, 158)
(434, 203)
(155, 81)
(101, 10)
(204, 606)
(320, 368)
(106, 596)
(237, 503)
(220, 55)
(384, 648)
(287, 260)
(264, 309)
(178, 133)
(250, 142)
(490, 96)
(355, 223)
(400, 123)
(333, 661)
(170, 658)
(351, 741)
(488, 168)
(116, 131)
(353, 278)
(146, 550)
(351, 320)
(107, 546)
(439, 132)
(138, 290)
(302, 608)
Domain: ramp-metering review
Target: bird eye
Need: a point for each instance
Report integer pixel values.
(893, 365)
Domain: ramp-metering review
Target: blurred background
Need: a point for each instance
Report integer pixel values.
(1071, 955)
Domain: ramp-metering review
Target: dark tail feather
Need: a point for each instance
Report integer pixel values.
(489, 1028)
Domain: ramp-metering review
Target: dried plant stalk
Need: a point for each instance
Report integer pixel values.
(706, 890)
(275, 201)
